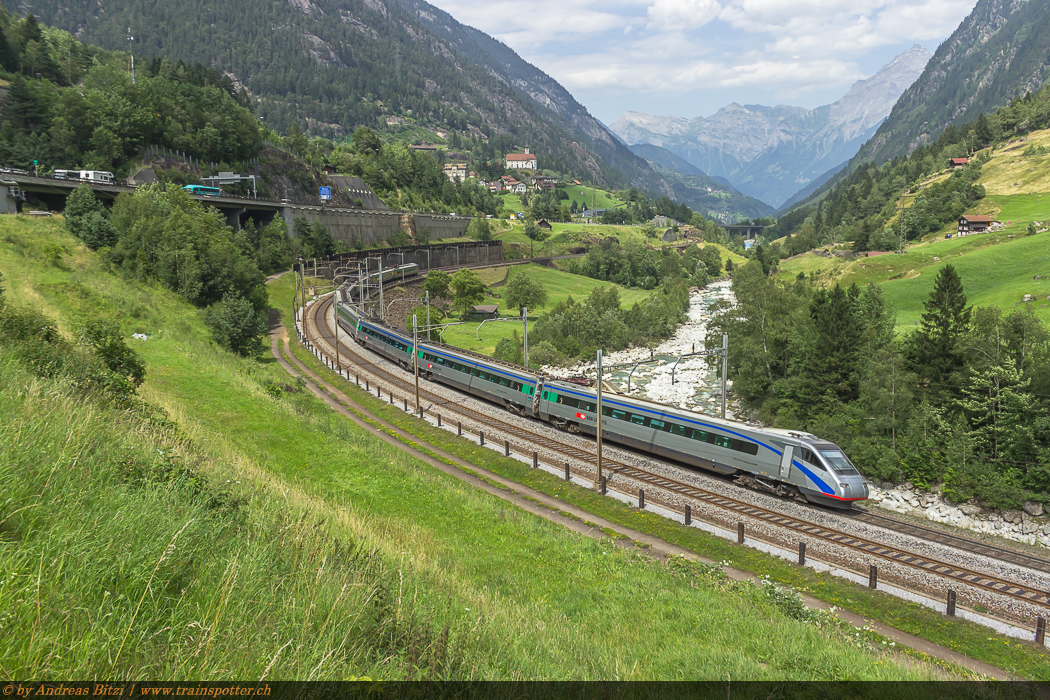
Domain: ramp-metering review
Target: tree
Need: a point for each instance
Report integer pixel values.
(437, 283)
(712, 260)
(86, 218)
(468, 288)
(523, 291)
(237, 325)
(480, 229)
(935, 352)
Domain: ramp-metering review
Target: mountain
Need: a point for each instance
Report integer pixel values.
(661, 156)
(999, 52)
(772, 152)
(502, 63)
(716, 199)
(334, 65)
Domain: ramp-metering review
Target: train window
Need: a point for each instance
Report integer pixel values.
(619, 415)
(699, 435)
(587, 406)
(677, 429)
(637, 419)
(723, 441)
(658, 424)
(839, 462)
(750, 448)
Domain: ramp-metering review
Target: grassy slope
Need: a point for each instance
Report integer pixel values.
(996, 268)
(522, 597)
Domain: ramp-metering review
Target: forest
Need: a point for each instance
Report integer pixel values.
(861, 208)
(71, 105)
(963, 400)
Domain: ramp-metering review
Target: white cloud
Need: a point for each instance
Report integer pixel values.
(663, 50)
(679, 15)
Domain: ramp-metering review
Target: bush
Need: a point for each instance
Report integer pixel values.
(236, 325)
(87, 219)
(544, 353)
(510, 349)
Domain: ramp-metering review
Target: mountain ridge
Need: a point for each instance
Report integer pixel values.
(758, 148)
(1000, 51)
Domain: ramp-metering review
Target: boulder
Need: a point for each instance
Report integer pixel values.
(1029, 528)
(1012, 516)
(970, 509)
(1033, 508)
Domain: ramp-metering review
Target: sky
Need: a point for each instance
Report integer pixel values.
(688, 58)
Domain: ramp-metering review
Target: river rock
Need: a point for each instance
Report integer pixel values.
(970, 508)
(1033, 508)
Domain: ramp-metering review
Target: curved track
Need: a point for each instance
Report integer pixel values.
(954, 572)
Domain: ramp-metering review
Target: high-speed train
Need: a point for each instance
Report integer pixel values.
(786, 463)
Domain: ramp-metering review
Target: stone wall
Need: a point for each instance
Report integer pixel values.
(373, 227)
(1027, 525)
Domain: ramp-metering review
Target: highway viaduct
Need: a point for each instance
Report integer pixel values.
(353, 226)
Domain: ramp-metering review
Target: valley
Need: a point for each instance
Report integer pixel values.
(217, 223)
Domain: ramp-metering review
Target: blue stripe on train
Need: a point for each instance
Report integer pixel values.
(633, 407)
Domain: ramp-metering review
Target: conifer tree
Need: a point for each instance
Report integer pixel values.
(947, 316)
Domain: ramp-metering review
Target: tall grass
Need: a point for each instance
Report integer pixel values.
(122, 559)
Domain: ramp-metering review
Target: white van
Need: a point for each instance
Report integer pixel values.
(100, 176)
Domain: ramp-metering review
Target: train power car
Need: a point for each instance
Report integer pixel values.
(785, 463)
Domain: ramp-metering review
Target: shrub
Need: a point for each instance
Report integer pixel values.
(236, 325)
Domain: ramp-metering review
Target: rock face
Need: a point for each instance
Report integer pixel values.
(773, 152)
(996, 54)
(1027, 526)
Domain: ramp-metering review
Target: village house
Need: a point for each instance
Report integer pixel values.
(975, 223)
(455, 172)
(544, 182)
(958, 162)
(544, 224)
(519, 188)
(522, 161)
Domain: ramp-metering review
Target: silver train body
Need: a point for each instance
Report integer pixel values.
(782, 462)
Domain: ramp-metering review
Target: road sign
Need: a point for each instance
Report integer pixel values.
(326, 193)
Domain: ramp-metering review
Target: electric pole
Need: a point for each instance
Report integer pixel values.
(598, 483)
(132, 52)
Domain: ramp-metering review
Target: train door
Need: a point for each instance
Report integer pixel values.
(785, 462)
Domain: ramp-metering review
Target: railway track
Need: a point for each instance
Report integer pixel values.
(1011, 556)
(919, 562)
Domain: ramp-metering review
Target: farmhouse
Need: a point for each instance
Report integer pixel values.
(522, 161)
(975, 223)
(958, 162)
(544, 224)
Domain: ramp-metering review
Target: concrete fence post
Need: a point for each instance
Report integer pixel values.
(740, 533)
(1040, 630)
(567, 476)
(688, 515)
(949, 608)
(801, 553)
(535, 460)
(873, 577)
(641, 498)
